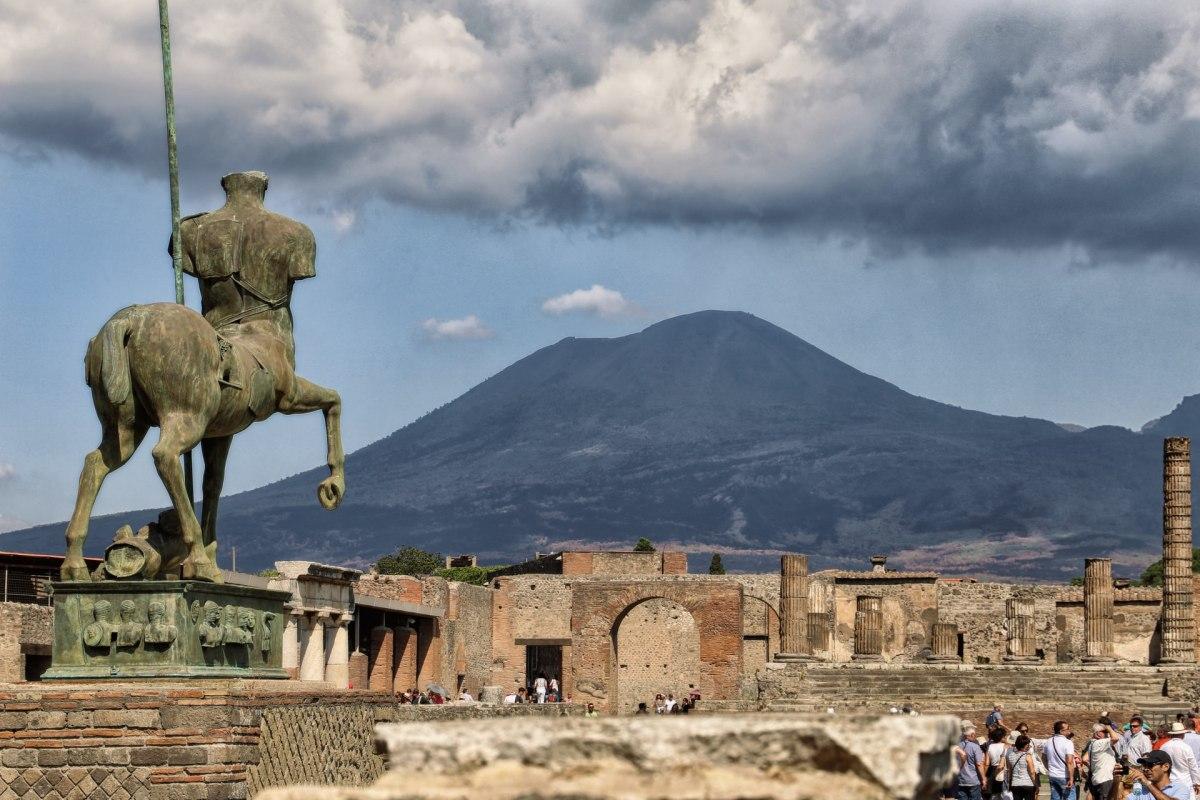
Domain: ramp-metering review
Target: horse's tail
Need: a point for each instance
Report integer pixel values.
(114, 360)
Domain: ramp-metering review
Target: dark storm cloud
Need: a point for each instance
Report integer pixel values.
(936, 125)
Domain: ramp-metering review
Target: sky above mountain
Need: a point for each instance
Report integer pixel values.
(988, 203)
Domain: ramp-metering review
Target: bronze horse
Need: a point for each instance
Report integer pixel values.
(202, 379)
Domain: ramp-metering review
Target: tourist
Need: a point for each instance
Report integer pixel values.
(511, 699)
(1153, 780)
(1190, 737)
(669, 704)
(1059, 753)
(1136, 743)
(522, 697)
(1099, 756)
(1184, 770)
(1022, 769)
(642, 709)
(1162, 735)
(591, 711)
(465, 696)
(539, 687)
(554, 690)
(995, 718)
(970, 777)
(993, 764)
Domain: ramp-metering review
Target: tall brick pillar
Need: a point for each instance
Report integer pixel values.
(380, 678)
(1178, 623)
(1022, 635)
(1098, 610)
(793, 609)
(868, 628)
(405, 660)
(360, 671)
(945, 643)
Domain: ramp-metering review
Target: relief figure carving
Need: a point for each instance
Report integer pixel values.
(101, 632)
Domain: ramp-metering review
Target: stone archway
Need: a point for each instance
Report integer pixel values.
(657, 648)
(598, 606)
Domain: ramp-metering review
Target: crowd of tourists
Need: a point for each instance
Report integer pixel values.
(542, 690)
(1116, 761)
(667, 704)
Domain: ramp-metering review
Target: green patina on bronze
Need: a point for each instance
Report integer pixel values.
(203, 378)
(166, 629)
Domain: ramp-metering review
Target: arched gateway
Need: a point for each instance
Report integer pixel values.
(599, 609)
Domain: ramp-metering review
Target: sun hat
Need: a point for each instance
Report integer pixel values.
(1177, 729)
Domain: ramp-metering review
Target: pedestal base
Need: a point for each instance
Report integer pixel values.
(792, 658)
(1099, 659)
(944, 660)
(166, 629)
(1022, 660)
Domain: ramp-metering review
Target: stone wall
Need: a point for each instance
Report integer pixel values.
(527, 608)
(25, 629)
(391, 587)
(1136, 614)
(178, 742)
(466, 643)
(658, 651)
(909, 611)
(978, 610)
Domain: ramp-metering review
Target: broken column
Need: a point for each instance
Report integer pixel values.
(1178, 634)
(793, 609)
(945, 642)
(818, 619)
(1097, 610)
(868, 628)
(1022, 635)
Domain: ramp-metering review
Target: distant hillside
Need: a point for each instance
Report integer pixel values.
(717, 430)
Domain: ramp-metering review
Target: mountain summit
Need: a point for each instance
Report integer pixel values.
(716, 430)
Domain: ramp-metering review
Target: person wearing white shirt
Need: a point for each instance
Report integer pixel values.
(1185, 771)
(539, 686)
(1191, 738)
(510, 698)
(1059, 753)
(1136, 743)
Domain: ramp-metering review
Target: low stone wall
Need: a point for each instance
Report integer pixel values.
(190, 742)
(767, 757)
(24, 629)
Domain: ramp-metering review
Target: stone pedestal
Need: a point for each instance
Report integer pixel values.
(1098, 611)
(404, 660)
(793, 609)
(380, 679)
(164, 629)
(945, 643)
(337, 661)
(868, 628)
(312, 659)
(1178, 625)
(1022, 635)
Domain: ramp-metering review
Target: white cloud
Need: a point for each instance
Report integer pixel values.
(946, 123)
(598, 300)
(469, 328)
(7, 471)
(8, 523)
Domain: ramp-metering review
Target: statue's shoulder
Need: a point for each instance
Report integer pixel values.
(300, 245)
(211, 241)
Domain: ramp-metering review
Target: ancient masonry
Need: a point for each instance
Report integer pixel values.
(1098, 610)
(1178, 625)
(868, 628)
(793, 608)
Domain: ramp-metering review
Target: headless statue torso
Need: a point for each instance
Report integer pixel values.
(246, 259)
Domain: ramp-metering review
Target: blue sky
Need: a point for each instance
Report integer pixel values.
(1038, 261)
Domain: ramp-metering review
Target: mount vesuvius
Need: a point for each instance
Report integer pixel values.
(715, 431)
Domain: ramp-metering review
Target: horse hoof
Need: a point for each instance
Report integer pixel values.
(329, 493)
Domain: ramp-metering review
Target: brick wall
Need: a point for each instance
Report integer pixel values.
(176, 743)
(391, 587)
(467, 643)
(24, 628)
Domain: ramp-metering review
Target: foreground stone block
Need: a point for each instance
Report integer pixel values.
(784, 757)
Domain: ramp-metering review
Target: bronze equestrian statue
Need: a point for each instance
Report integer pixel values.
(202, 379)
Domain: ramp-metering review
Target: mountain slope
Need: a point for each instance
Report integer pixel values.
(716, 429)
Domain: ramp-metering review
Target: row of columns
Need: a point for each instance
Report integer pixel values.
(305, 654)
(393, 659)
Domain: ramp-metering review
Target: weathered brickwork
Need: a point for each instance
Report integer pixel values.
(909, 611)
(598, 607)
(24, 629)
(657, 651)
(467, 651)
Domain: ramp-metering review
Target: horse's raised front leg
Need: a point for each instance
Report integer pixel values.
(307, 396)
(216, 451)
(116, 447)
(181, 432)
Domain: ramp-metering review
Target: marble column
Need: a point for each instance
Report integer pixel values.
(818, 620)
(945, 643)
(312, 660)
(1022, 635)
(404, 660)
(1097, 610)
(868, 628)
(793, 609)
(1178, 632)
(337, 662)
(291, 643)
(380, 679)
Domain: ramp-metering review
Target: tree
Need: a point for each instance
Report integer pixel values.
(643, 546)
(410, 561)
(1153, 574)
(715, 567)
(269, 572)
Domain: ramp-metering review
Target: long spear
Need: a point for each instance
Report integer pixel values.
(164, 29)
